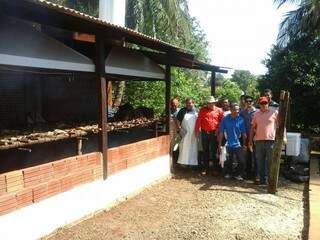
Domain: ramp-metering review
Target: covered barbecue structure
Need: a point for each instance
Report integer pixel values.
(55, 67)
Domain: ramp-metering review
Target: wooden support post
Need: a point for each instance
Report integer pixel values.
(79, 146)
(168, 95)
(276, 153)
(102, 119)
(213, 83)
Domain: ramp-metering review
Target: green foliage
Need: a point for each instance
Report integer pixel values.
(170, 21)
(229, 89)
(246, 81)
(296, 68)
(90, 7)
(152, 94)
(301, 22)
(147, 94)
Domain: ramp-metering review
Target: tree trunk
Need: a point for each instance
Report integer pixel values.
(119, 92)
(276, 153)
(109, 94)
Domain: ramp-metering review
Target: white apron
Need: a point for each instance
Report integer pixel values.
(188, 147)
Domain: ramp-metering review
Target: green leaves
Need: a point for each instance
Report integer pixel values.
(296, 68)
(300, 22)
(229, 89)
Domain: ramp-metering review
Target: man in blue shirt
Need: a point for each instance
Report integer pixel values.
(233, 127)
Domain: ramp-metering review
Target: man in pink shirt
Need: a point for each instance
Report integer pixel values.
(263, 131)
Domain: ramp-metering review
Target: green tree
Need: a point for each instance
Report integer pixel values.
(90, 7)
(229, 89)
(296, 68)
(300, 22)
(246, 81)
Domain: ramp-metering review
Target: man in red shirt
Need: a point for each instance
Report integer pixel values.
(208, 122)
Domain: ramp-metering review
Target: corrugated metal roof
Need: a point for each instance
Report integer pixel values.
(75, 13)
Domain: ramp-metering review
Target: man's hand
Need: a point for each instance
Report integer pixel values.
(219, 149)
(285, 141)
(250, 146)
(196, 134)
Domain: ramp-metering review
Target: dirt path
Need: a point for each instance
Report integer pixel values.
(192, 207)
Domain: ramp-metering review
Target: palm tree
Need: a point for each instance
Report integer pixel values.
(164, 19)
(305, 20)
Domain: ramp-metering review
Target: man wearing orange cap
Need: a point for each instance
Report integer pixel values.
(264, 131)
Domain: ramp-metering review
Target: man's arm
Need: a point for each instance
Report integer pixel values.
(243, 133)
(220, 118)
(220, 137)
(252, 133)
(198, 122)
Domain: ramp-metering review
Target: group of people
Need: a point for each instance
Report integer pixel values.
(244, 131)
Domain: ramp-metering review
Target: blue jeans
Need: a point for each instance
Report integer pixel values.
(263, 151)
(235, 155)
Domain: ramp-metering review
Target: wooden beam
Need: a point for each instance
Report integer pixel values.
(213, 83)
(168, 95)
(102, 120)
(277, 148)
(84, 37)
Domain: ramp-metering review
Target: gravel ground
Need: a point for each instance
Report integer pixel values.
(192, 207)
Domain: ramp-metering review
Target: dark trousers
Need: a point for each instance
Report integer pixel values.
(263, 154)
(251, 163)
(235, 156)
(209, 145)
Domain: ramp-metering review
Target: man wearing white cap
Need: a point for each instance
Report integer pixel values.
(208, 122)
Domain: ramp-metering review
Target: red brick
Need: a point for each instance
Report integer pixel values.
(40, 192)
(54, 187)
(72, 164)
(82, 160)
(24, 198)
(46, 172)
(8, 203)
(60, 168)
(114, 155)
(31, 176)
(118, 167)
(3, 186)
(66, 183)
(95, 156)
(87, 176)
(14, 181)
(124, 152)
(97, 173)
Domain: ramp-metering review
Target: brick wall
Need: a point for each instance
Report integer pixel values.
(30, 185)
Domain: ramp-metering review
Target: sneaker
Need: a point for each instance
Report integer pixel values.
(203, 173)
(227, 176)
(239, 178)
(257, 180)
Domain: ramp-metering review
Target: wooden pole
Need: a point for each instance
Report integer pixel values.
(276, 153)
(213, 83)
(168, 94)
(102, 119)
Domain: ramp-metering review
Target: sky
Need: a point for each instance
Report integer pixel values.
(240, 32)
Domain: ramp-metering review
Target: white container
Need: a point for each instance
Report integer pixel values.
(294, 144)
